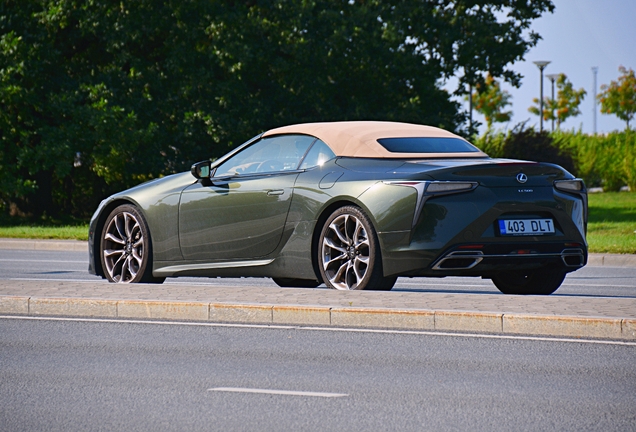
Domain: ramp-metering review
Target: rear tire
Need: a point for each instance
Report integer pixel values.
(125, 248)
(349, 256)
(295, 283)
(538, 282)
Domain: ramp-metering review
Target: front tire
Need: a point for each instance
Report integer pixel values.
(538, 282)
(125, 247)
(349, 252)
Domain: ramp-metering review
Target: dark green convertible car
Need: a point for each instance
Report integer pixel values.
(353, 205)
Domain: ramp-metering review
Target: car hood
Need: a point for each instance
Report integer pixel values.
(165, 184)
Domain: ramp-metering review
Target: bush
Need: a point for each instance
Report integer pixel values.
(601, 160)
(491, 143)
(526, 144)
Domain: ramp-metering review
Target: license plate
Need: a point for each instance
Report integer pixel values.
(518, 227)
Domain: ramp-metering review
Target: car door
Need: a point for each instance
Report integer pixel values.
(240, 213)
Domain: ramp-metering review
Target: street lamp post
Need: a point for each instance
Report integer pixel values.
(552, 78)
(595, 72)
(541, 65)
(470, 109)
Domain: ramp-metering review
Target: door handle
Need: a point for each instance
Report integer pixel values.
(275, 192)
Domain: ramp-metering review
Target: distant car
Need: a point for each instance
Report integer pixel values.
(353, 205)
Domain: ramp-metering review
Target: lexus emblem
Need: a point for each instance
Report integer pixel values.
(522, 178)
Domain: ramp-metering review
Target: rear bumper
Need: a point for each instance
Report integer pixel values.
(484, 263)
(488, 259)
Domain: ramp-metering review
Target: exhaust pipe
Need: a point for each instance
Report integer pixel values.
(573, 257)
(459, 260)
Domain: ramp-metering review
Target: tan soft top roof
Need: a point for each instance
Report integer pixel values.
(360, 138)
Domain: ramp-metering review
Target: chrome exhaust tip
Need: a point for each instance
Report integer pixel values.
(459, 260)
(573, 257)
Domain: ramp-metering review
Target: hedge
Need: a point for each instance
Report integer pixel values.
(608, 161)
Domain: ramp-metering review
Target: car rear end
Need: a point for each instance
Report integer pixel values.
(493, 217)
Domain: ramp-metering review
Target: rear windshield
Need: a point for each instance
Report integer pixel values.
(427, 145)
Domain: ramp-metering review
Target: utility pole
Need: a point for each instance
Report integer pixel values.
(595, 72)
(541, 65)
(552, 78)
(470, 108)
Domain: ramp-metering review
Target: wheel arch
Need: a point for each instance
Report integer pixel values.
(99, 226)
(324, 214)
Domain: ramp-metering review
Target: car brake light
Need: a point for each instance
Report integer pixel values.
(575, 185)
(473, 246)
(448, 187)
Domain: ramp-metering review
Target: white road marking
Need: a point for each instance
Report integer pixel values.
(42, 261)
(597, 285)
(97, 279)
(334, 329)
(277, 392)
(489, 284)
(444, 284)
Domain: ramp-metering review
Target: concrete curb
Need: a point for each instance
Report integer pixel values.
(611, 260)
(44, 245)
(597, 260)
(350, 317)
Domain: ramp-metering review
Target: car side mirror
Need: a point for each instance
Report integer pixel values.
(201, 170)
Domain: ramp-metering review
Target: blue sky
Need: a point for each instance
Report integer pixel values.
(579, 34)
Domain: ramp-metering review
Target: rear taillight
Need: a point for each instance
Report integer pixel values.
(575, 185)
(442, 187)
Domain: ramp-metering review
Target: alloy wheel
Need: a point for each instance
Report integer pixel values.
(346, 252)
(123, 247)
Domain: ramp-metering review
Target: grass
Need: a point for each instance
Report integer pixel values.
(611, 227)
(78, 232)
(612, 222)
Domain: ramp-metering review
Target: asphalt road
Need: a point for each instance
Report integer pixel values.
(55, 265)
(74, 375)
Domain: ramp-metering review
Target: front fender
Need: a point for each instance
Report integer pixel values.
(158, 201)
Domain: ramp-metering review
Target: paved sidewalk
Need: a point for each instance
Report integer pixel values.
(582, 317)
(607, 318)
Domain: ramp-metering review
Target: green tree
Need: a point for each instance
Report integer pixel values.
(568, 100)
(565, 105)
(97, 96)
(619, 97)
(490, 100)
